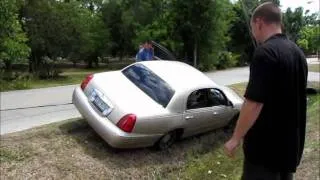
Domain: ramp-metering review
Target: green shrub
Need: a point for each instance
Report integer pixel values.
(48, 68)
(14, 80)
(207, 63)
(16, 84)
(226, 59)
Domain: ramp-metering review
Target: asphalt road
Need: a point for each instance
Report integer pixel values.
(13, 119)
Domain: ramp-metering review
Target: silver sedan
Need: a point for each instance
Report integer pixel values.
(154, 103)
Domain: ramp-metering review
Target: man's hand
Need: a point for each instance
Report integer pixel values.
(248, 115)
(231, 146)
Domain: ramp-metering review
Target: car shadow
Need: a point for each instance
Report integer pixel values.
(94, 146)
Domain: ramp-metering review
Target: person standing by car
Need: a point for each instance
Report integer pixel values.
(138, 54)
(145, 53)
(272, 120)
(150, 51)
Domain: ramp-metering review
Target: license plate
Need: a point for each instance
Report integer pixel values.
(102, 106)
(99, 103)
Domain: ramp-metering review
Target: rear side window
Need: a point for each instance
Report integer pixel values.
(149, 83)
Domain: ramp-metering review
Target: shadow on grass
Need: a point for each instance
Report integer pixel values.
(94, 146)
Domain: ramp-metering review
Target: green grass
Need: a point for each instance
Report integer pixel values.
(33, 82)
(72, 150)
(313, 120)
(239, 88)
(212, 165)
(314, 67)
(17, 154)
(63, 80)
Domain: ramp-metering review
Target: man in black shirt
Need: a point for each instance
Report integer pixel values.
(272, 120)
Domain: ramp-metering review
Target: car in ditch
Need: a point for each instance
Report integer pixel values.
(154, 103)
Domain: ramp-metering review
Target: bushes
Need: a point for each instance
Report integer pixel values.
(14, 81)
(222, 60)
(20, 79)
(226, 59)
(48, 68)
(16, 84)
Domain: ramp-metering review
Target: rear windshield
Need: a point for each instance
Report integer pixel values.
(149, 83)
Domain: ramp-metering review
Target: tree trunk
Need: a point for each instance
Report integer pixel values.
(74, 64)
(121, 56)
(33, 62)
(30, 64)
(195, 54)
(96, 61)
(8, 66)
(186, 57)
(89, 65)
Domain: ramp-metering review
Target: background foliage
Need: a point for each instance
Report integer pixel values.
(208, 34)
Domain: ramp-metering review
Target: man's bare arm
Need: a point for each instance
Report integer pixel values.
(248, 116)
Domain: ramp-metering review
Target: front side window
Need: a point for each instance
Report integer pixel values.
(197, 99)
(216, 98)
(206, 98)
(150, 83)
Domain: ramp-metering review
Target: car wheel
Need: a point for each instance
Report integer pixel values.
(167, 140)
(312, 90)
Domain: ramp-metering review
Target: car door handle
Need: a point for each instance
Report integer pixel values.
(189, 117)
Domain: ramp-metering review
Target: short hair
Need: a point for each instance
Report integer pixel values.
(269, 13)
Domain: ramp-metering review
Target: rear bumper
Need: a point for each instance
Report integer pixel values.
(114, 136)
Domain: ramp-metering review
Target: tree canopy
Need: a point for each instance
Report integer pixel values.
(205, 33)
(13, 47)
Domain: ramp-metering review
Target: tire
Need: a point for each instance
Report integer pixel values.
(166, 141)
(312, 90)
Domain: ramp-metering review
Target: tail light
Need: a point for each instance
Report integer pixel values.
(86, 81)
(127, 122)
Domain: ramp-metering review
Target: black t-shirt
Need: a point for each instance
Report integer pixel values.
(278, 78)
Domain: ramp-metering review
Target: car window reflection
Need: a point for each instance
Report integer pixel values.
(149, 83)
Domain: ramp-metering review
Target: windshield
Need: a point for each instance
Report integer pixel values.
(149, 83)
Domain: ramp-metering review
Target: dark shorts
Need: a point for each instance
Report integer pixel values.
(254, 172)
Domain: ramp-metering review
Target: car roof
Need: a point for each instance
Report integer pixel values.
(180, 76)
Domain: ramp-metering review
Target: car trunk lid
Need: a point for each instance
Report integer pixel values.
(122, 96)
